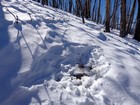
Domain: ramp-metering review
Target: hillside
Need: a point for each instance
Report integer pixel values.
(48, 57)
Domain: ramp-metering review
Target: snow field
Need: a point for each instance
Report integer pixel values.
(52, 47)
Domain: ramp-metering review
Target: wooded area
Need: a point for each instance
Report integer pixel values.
(120, 16)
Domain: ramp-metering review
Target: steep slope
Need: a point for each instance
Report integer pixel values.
(49, 57)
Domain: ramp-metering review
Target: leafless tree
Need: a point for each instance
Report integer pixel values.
(81, 9)
(131, 17)
(99, 7)
(123, 19)
(107, 21)
(137, 29)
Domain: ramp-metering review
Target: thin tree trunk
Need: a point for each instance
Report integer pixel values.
(107, 22)
(70, 6)
(123, 19)
(43, 2)
(98, 15)
(54, 3)
(46, 2)
(77, 8)
(82, 10)
(131, 18)
(114, 15)
(137, 29)
(87, 9)
(93, 10)
(60, 4)
(38, 1)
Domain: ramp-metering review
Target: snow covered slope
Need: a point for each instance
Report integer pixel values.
(48, 57)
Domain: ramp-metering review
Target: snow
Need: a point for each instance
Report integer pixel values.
(51, 58)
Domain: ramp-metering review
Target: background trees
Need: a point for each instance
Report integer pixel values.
(114, 14)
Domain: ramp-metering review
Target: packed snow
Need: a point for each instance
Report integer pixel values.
(49, 57)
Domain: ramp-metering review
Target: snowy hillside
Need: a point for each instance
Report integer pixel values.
(48, 57)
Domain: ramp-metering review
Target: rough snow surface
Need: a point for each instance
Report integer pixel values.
(51, 58)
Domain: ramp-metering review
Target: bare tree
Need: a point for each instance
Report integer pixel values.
(70, 6)
(114, 15)
(77, 9)
(137, 29)
(99, 7)
(87, 9)
(45, 2)
(131, 18)
(54, 3)
(128, 10)
(123, 19)
(81, 9)
(107, 21)
(93, 10)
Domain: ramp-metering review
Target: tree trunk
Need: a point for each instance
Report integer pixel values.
(137, 29)
(77, 8)
(70, 6)
(93, 11)
(87, 9)
(43, 2)
(60, 4)
(54, 3)
(98, 15)
(131, 18)
(46, 2)
(107, 21)
(38, 1)
(128, 11)
(123, 19)
(82, 10)
(114, 15)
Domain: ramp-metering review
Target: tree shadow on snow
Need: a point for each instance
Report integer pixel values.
(4, 37)
(10, 63)
(5, 49)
